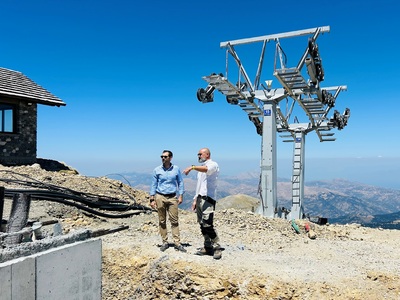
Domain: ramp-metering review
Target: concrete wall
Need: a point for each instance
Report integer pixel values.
(68, 272)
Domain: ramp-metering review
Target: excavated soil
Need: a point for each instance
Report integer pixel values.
(262, 258)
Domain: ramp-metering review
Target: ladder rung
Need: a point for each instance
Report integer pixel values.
(313, 106)
(319, 112)
(327, 134)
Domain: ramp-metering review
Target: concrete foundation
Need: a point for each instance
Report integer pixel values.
(71, 271)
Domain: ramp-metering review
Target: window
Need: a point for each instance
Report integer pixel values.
(6, 117)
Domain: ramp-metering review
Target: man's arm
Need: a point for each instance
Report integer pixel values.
(153, 187)
(181, 185)
(202, 169)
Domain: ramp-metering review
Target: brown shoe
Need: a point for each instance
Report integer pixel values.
(217, 254)
(205, 251)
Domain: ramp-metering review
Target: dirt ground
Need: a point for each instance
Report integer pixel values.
(262, 258)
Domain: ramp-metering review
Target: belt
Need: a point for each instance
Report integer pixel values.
(167, 195)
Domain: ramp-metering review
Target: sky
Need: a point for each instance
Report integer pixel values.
(129, 71)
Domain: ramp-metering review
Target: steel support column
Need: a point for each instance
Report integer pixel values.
(268, 162)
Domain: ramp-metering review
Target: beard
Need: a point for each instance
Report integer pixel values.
(201, 160)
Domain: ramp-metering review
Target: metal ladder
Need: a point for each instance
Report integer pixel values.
(223, 85)
(298, 176)
(297, 166)
(291, 79)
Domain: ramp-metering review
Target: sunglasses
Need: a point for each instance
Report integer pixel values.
(164, 156)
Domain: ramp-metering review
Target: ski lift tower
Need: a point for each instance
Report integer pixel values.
(301, 89)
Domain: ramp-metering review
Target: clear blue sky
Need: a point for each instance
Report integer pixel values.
(129, 71)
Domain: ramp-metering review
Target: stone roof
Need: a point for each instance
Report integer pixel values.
(16, 84)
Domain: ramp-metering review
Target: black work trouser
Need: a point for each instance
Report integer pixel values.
(205, 207)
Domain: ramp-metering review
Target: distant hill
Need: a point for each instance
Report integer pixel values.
(339, 200)
(239, 201)
(386, 221)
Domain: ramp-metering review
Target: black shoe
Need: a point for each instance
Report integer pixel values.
(180, 248)
(164, 247)
(205, 251)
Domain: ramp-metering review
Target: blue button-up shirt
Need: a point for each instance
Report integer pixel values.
(167, 181)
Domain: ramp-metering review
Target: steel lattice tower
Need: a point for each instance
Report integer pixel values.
(300, 87)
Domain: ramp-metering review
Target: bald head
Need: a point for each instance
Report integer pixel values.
(204, 154)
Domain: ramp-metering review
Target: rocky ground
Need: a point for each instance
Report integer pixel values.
(262, 258)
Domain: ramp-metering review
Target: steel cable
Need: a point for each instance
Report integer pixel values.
(88, 202)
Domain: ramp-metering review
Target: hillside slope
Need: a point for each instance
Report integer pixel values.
(262, 258)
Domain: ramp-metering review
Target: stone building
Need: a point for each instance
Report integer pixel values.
(19, 97)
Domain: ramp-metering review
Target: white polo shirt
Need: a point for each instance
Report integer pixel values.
(207, 182)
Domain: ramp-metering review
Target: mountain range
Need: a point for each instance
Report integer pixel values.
(340, 201)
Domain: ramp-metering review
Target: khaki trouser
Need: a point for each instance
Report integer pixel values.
(168, 205)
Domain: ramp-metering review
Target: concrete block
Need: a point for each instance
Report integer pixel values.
(23, 279)
(70, 272)
(5, 281)
(17, 279)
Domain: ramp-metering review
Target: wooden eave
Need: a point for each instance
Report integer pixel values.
(16, 85)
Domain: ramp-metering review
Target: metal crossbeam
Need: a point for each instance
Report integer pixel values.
(273, 37)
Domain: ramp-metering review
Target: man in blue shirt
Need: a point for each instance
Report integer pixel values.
(166, 193)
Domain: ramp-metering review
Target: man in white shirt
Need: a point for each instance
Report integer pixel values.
(204, 201)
